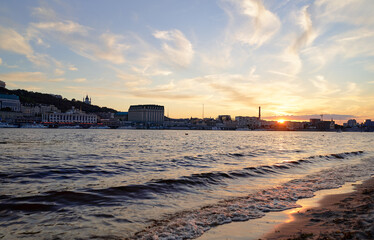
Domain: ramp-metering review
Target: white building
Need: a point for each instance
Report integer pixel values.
(2, 84)
(72, 116)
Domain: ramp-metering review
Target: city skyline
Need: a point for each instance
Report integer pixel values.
(295, 59)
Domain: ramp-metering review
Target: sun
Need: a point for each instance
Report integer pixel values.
(281, 121)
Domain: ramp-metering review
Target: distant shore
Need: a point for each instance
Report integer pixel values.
(101, 126)
(341, 216)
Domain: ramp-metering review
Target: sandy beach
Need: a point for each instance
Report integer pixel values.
(341, 216)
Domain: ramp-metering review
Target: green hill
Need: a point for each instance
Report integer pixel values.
(27, 97)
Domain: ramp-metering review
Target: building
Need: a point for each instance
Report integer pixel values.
(87, 100)
(146, 113)
(38, 110)
(224, 118)
(71, 117)
(2, 84)
(247, 122)
(369, 123)
(352, 123)
(122, 116)
(326, 125)
(10, 102)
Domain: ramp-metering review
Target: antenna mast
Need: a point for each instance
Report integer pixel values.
(203, 111)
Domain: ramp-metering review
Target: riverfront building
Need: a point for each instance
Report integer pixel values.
(10, 102)
(146, 113)
(70, 117)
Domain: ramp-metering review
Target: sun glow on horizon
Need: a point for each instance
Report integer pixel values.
(281, 121)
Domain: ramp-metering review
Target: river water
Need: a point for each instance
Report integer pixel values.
(143, 184)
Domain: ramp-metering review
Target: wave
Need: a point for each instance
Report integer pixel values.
(193, 223)
(149, 190)
(60, 173)
(58, 200)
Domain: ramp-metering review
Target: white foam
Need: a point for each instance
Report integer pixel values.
(193, 223)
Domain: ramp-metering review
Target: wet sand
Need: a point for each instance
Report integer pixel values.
(259, 228)
(340, 216)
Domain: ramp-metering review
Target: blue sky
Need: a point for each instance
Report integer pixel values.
(294, 58)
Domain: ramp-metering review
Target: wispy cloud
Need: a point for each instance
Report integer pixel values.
(82, 40)
(24, 77)
(308, 35)
(66, 27)
(131, 80)
(358, 12)
(251, 22)
(325, 88)
(176, 46)
(59, 72)
(12, 41)
(72, 68)
(80, 80)
(292, 53)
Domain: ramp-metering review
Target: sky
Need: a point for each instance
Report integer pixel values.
(296, 59)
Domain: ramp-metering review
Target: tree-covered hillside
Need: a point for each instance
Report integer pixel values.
(27, 97)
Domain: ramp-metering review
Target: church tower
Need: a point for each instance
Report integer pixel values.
(87, 100)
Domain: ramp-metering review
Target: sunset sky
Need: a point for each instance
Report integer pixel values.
(293, 58)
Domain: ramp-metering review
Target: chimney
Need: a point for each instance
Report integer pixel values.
(259, 113)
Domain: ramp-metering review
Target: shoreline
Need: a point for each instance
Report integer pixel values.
(338, 216)
(255, 229)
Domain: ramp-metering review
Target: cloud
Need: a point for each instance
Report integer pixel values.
(131, 81)
(59, 72)
(325, 88)
(356, 12)
(24, 77)
(176, 46)
(56, 80)
(112, 49)
(44, 13)
(238, 91)
(80, 80)
(67, 27)
(147, 71)
(308, 35)
(251, 23)
(161, 94)
(84, 41)
(346, 28)
(343, 46)
(12, 41)
(72, 68)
